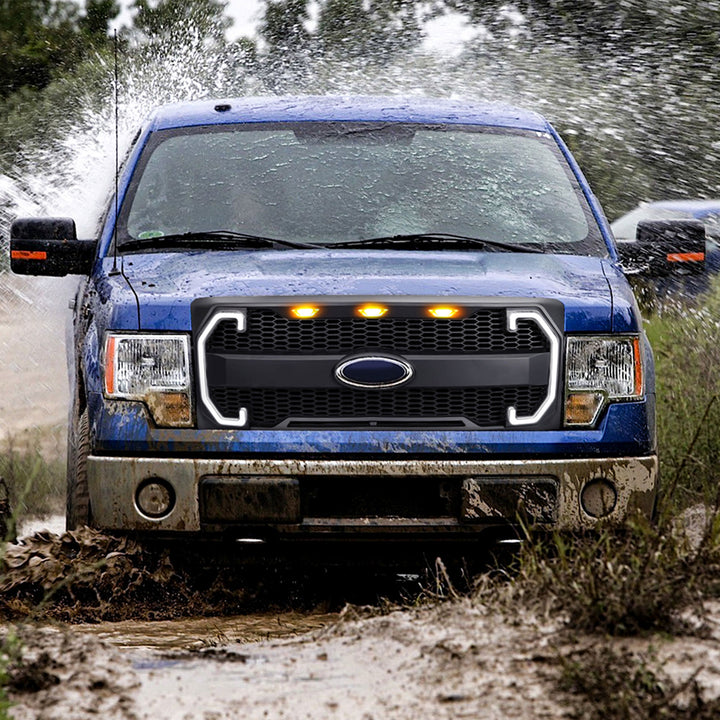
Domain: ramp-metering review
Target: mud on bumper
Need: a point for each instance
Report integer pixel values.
(369, 497)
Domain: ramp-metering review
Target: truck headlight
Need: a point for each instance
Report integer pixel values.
(600, 370)
(154, 369)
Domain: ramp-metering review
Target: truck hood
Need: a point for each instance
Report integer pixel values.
(166, 283)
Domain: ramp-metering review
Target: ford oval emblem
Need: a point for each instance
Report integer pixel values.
(372, 371)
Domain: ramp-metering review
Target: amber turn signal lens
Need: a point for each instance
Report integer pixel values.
(170, 409)
(302, 312)
(443, 311)
(110, 366)
(29, 255)
(639, 382)
(372, 311)
(582, 408)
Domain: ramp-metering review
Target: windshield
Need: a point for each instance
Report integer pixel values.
(328, 183)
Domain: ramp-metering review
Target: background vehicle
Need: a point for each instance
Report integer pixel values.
(381, 318)
(705, 211)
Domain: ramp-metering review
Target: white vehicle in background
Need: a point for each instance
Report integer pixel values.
(705, 211)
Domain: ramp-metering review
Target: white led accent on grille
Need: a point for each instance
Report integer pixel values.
(239, 317)
(541, 321)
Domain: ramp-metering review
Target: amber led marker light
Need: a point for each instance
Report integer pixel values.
(372, 311)
(443, 311)
(303, 312)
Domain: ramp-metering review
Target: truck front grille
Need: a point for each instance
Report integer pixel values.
(496, 365)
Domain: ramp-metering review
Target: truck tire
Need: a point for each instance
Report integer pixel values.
(78, 498)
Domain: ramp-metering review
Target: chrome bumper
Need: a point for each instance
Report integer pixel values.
(113, 483)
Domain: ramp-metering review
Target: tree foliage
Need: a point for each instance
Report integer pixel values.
(283, 25)
(43, 39)
(377, 29)
(162, 18)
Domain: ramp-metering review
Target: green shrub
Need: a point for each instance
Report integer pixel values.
(621, 685)
(619, 581)
(686, 343)
(34, 472)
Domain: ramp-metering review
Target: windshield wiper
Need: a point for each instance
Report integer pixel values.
(227, 239)
(418, 240)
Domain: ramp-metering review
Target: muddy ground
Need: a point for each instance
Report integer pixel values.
(279, 655)
(447, 660)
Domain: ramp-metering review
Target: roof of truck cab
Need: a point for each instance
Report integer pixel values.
(345, 109)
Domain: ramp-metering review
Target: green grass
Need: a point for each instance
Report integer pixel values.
(33, 468)
(617, 684)
(686, 343)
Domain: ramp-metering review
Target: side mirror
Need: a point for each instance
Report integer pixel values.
(49, 246)
(664, 247)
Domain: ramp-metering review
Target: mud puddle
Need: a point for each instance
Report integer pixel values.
(441, 659)
(193, 634)
(452, 660)
(456, 659)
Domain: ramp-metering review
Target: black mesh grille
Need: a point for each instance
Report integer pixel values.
(483, 332)
(486, 407)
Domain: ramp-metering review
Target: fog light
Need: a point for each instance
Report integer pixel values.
(155, 498)
(598, 498)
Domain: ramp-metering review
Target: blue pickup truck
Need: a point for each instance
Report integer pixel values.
(354, 317)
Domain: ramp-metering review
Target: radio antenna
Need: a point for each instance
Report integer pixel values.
(117, 150)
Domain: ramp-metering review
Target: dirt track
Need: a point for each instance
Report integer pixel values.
(450, 660)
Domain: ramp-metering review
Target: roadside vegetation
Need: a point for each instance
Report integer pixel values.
(619, 684)
(32, 469)
(686, 343)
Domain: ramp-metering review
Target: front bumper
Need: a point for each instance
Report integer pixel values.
(261, 497)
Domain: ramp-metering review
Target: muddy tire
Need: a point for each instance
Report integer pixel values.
(78, 498)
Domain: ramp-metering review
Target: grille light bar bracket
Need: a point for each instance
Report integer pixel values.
(542, 322)
(239, 317)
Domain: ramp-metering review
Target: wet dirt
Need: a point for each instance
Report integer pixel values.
(451, 660)
(59, 674)
(87, 576)
(203, 633)
(448, 661)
